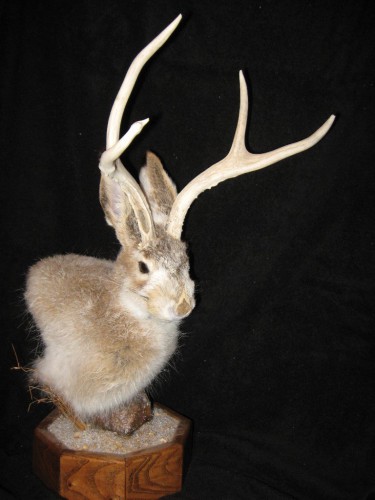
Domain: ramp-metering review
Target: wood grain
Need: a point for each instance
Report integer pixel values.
(91, 478)
(46, 453)
(147, 474)
(153, 474)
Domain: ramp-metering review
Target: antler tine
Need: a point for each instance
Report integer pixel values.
(114, 147)
(238, 161)
(110, 163)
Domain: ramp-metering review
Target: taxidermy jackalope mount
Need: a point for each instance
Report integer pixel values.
(109, 328)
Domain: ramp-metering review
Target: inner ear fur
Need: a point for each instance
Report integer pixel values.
(158, 188)
(119, 212)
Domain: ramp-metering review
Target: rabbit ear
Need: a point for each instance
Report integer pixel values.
(119, 212)
(158, 187)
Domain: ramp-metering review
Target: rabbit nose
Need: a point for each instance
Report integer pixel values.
(183, 307)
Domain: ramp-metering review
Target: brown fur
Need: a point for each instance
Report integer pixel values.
(108, 329)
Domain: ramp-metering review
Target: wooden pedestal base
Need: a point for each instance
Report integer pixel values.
(149, 473)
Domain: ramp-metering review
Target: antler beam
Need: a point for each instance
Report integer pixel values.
(238, 161)
(110, 163)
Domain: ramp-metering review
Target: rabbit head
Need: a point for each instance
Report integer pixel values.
(153, 273)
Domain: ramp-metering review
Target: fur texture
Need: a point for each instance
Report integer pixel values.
(109, 327)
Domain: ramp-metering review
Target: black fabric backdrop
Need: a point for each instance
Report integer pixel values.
(276, 368)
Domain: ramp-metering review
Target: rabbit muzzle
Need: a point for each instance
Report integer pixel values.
(169, 306)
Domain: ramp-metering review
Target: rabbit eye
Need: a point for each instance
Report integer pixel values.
(143, 267)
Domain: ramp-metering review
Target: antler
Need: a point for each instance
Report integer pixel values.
(238, 161)
(110, 163)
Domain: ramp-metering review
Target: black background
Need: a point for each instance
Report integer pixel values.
(277, 367)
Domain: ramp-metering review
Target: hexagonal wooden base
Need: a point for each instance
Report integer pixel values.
(146, 474)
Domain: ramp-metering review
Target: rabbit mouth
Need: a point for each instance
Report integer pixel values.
(145, 297)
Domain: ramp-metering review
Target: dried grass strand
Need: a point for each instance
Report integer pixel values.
(49, 396)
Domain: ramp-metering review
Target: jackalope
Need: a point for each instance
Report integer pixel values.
(109, 328)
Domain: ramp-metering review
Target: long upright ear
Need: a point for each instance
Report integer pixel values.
(119, 212)
(158, 187)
